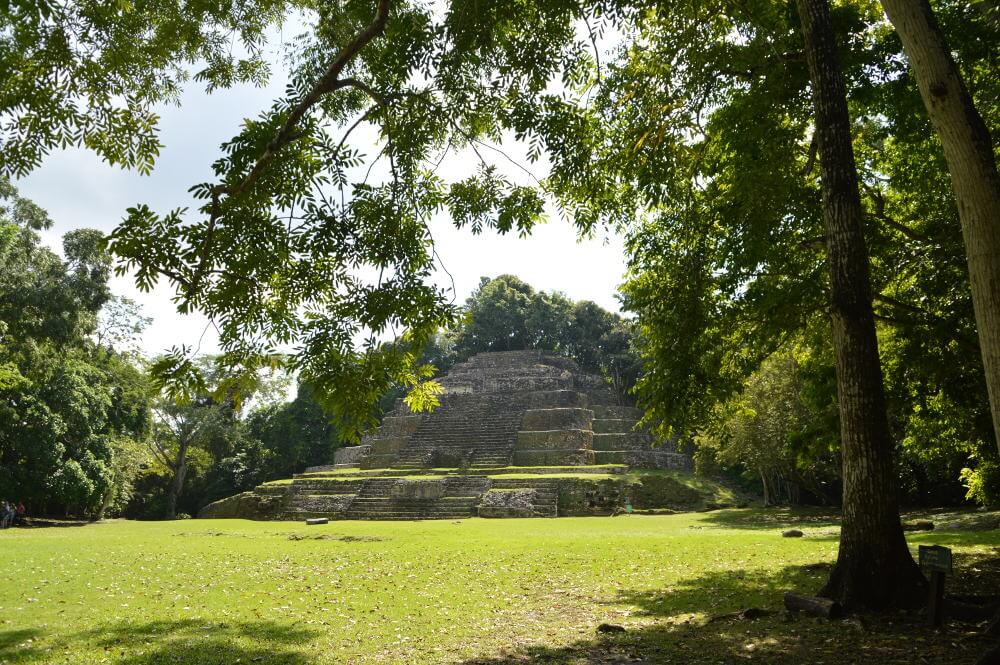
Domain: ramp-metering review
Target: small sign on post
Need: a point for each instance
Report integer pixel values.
(936, 560)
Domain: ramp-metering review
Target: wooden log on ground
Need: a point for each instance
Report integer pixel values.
(814, 605)
(317, 520)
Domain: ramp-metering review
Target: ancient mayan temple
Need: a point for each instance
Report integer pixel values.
(516, 408)
(519, 433)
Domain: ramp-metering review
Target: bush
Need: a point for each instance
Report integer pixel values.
(983, 483)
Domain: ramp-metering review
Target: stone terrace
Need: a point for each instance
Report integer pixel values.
(516, 435)
(521, 408)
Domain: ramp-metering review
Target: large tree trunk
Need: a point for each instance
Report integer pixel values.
(968, 150)
(874, 568)
(177, 484)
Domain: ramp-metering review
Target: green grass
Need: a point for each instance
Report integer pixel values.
(402, 473)
(473, 591)
(713, 491)
(596, 477)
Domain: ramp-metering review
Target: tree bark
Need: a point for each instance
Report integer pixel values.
(968, 149)
(874, 568)
(177, 484)
(820, 607)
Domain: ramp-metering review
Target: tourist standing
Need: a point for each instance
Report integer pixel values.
(19, 518)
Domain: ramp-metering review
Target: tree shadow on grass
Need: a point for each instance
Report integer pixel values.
(772, 519)
(196, 642)
(50, 523)
(723, 592)
(16, 642)
(697, 622)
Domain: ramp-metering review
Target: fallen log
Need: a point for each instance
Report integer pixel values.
(814, 605)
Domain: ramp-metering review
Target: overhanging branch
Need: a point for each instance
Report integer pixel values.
(330, 81)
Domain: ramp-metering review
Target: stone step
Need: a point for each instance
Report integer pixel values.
(623, 441)
(320, 492)
(484, 472)
(613, 425)
(410, 515)
(365, 500)
(612, 456)
(297, 515)
(603, 411)
(407, 517)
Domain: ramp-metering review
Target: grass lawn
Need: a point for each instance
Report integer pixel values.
(472, 591)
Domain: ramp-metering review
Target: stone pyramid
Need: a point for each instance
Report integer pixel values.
(515, 408)
(517, 434)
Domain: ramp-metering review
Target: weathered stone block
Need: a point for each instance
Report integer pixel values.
(417, 490)
(613, 425)
(587, 497)
(248, 506)
(319, 485)
(611, 457)
(656, 458)
(509, 503)
(626, 441)
(559, 439)
(615, 411)
(551, 419)
(552, 399)
(378, 461)
(509, 384)
(400, 425)
(351, 454)
(388, 445)
(333, 504)
(577, 457)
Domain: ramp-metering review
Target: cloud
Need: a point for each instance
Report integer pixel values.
(79, 190)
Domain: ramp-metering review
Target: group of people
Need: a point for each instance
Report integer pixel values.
(10, 514)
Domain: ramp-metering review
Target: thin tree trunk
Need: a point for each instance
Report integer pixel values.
(968, 150)
(874, 568)
(106, 500)
(177, 484)
(767, 495)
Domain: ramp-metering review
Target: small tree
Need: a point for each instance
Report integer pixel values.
(181, 426)
(755, 429)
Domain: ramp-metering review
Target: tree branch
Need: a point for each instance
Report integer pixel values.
(970, 344)
(328, 82)
(811, 159)
(879, 212)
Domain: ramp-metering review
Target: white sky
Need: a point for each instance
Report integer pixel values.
(79, 190)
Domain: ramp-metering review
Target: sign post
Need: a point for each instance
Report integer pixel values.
(936, 560)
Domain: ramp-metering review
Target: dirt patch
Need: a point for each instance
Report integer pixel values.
(343, 539)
